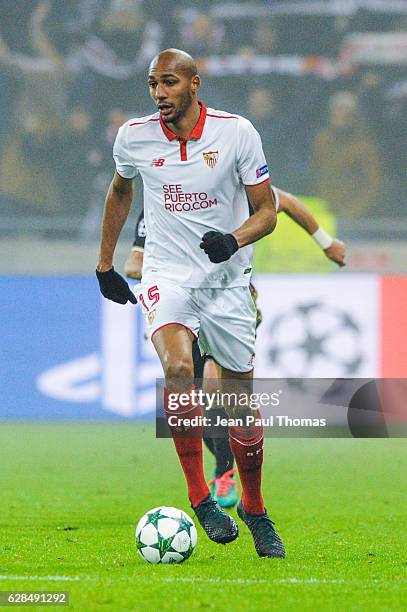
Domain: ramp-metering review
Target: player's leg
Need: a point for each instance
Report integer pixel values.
(247, 443)
(228, 333)
(246, 438)
(223, 484)
(205, 367)
(173, 321)
(222, 451)
(199, 364)
(173, 344)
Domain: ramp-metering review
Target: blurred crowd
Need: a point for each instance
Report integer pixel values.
(333, 122)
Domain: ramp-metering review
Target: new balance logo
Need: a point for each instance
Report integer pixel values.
(158, 162)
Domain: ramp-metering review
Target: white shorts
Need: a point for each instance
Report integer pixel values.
(223, 320)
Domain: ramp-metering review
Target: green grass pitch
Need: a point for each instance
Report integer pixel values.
(71, 495)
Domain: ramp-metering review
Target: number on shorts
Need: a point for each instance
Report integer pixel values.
(141, 298)
(153, 295)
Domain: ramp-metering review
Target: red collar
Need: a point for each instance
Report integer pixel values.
(195, 133)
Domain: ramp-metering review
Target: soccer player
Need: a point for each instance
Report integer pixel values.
(199, 166)
(223, 485)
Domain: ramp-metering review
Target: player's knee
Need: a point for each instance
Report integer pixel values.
(247, 427)
(179, 374)
(211, 380)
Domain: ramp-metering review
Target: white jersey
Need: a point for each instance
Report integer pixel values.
(192, 186)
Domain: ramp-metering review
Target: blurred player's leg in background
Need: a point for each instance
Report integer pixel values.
(223, 485)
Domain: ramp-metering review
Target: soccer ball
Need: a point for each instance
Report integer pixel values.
(166, 535)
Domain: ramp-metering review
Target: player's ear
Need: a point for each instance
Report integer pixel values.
(196, 83)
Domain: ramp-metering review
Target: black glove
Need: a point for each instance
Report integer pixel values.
(219, 247)
(114, 287)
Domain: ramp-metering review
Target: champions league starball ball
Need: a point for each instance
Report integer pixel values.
(166, 535)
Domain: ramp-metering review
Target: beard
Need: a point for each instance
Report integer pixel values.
(179, 113)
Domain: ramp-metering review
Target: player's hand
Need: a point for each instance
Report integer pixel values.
(336, 252)
(219, 247)
(114, 287)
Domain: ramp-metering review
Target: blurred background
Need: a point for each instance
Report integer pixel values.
(324, 82)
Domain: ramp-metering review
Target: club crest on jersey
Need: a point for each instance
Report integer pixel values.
(211, 158)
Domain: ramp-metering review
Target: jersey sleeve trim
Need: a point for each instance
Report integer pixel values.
(143, 122)
(251, 163)
(124, 166)
(222, 116)
(255, 184)
(125, 177)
